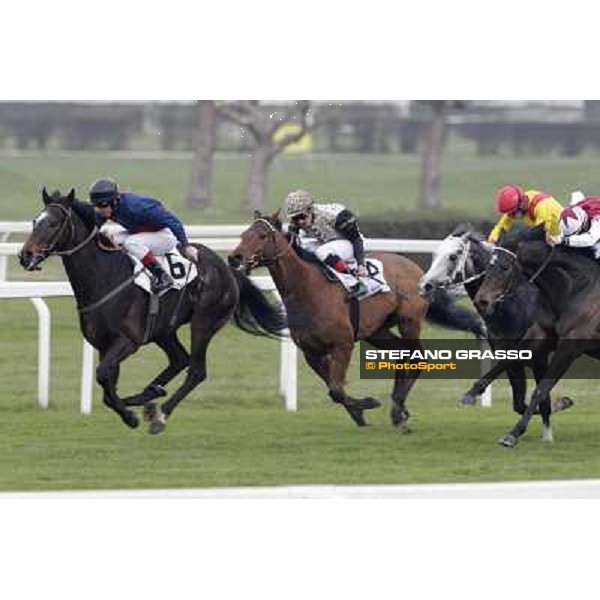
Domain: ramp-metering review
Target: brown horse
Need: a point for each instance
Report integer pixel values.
(319, 313)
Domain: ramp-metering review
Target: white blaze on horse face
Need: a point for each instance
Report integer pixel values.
(41, 217)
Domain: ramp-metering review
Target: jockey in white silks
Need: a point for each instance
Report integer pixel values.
(337, 243)
(580, 225)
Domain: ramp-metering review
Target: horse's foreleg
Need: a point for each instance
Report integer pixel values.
(178, 358)
(566, 352)
(470, 397)
(107, 376)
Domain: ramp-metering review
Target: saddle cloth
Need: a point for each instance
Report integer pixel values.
(179, 268)
(375, 282)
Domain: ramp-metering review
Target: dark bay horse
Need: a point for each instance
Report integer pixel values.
(461, 261)
(113, 312)
(319, 315)
(569, 322)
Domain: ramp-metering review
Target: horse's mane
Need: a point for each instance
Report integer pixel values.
(466, 228)
(520, 232)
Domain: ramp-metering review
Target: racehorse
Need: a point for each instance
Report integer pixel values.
(569, 324)
(319, 314)
(114, 313)
(460, 261)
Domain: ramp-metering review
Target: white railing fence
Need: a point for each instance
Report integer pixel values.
(217, 237)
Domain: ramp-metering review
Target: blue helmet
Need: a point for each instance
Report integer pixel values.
(104, 192)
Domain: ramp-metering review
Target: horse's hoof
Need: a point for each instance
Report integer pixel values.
(154, 391)
(468, 400)
(357, 416)
(131, 419)
(562, 404)
(158, 423)
(149, 412)
(508, 440)
(399, 417)
(368, 403)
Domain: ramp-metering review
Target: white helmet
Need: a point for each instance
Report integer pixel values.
(572, 220)
(298, 202)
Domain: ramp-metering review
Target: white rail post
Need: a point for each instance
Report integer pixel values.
(288, 378)
(486, 365)
(4, 258)
(43, 351)
(87, 378)
(288, 369)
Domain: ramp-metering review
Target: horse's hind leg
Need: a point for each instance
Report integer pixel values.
(332, 368)
(202, 333)
(178, 360)
(403, 380)
(107, 376)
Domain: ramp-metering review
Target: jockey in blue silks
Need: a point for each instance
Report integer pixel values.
(150, 229)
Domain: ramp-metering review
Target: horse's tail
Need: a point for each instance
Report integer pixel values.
(444, 311)
(254, 314)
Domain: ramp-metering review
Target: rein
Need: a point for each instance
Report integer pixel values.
(90, 307)
(68, 212)
(518, 269)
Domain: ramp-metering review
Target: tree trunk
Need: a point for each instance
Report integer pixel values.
(204, 144)
(256, 191)
(432, 149)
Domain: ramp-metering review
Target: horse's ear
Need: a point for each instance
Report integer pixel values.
(45, 197)
(257, 214)
(71, 196)
(276, 218)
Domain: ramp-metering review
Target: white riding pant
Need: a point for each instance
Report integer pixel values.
(139, 244)
(341, 248)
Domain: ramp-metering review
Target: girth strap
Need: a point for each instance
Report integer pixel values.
(354, 309)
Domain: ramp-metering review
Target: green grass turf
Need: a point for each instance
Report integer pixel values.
(233, 430)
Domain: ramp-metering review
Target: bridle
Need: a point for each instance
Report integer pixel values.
(67, 222)
(517, 270)
(261, 260)
(460, 278)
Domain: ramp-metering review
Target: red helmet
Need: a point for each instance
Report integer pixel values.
(508, 199)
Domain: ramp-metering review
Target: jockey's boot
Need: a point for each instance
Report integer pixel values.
(161, 280)
(336, 263)
(357, 290)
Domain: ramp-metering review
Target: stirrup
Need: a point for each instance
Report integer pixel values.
(358, 290)
(159, 287)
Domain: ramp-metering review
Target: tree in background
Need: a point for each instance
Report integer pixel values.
(205, 138)
(270, 135)
(432, 148)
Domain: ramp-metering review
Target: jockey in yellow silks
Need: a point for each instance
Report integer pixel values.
(531, 207)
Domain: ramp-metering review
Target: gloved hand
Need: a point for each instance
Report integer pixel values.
(553, 240)
(362, 271)
(190, 252)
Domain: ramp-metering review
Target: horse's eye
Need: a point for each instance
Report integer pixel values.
(453, 257)
(53, 225)
(262, 236)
